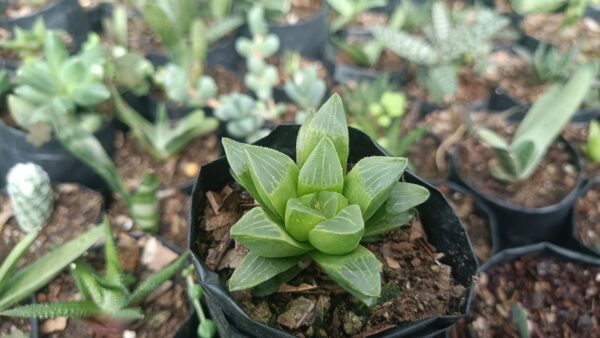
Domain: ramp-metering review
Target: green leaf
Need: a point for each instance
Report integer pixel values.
(254, 270)
(340, 234)
(387, 222)
(301, 219)
(405, 196)
(111, 256)
(321, 171)
(371, 180)
(155, 280)
(272, 285)
(83, 309)
(275, 178)
(329, 203)
(145, 206)
(9, 263)
(593, 143)
(257, 231)
(39, 273)
(55, 51)
(90, 94)
(356, 272)
(328, 121)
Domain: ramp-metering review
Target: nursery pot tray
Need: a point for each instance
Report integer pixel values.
(443, 230)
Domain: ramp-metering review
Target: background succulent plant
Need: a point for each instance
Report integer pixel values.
(312, 209)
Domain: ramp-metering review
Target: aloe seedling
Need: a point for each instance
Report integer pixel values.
(160, 140)
(548, 64)
(31, 194)
(379, 110)
(348, 10)
(445, 47)
(313, 209)
(518, 160)
(592, 148)
(574, 9)
(207, 328)
(28, 44)
(75, 82)
(104, 297)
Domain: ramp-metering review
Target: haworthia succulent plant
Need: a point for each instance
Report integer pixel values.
(104, 296)
(519, 159)
(31, 194)
(443, 47)
(311, 208)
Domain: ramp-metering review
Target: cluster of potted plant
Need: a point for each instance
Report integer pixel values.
(311, 168)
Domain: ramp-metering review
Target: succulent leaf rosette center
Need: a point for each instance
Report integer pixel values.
(313, 208)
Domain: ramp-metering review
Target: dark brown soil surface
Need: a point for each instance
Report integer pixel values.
(132, 162)
(174, 211)
(471, 89)
(165, 309)
(554, 179)
(476, 222)
(9, 326)
(17, 9)
(302, 10)
(587, 218)
(415, 285)
(226, 80)
(422, 158)
(513, 74)
(577, 135)
(76, 210)
(141, 39)
(548, 28)
(560, 299)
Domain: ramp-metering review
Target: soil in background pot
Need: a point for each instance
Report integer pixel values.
(76, 210)
(559, 296)
(476, 222)
(165, 310)
(422, 158)
(577, 135)
(471, 88)
(388, 62)
(174, 211)
(548, 28)
(587, 218)
(132, 162)
(11, 326)
(284, 76)
(554, 179)
(415, 284)
(17, 9)
(301, 10)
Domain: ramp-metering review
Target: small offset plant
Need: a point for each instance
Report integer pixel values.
(312, 209)
(549, 64)
(592, 148)
(348, 10)
(305, 88)
(161, 140)
(73, 82)
(105, 297)
(27, 44)
(519, 159)
(241, 113)
(444, 48)
(31, 194)
(207, 328)
(378, 109)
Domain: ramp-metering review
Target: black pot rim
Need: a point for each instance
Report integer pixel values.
(567, 200)
(213, 286)
(588, 186)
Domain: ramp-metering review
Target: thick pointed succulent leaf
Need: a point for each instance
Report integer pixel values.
(155, 280)
(254, 270)
(371, 180)
(340, 234)
(405, 196)
(275, 178)
(301, 219)
(330, 203)
(238, 161)
(82, 309)
(257, 231)
(330, 121)
(322, 170)
(357, 272)
(388, 222)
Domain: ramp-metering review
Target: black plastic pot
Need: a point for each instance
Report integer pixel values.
(61, 165)
(577, 243)
(442, 226)
(97, 14)
(481, 209)
(65, 15)
(307, 37)
(518, 226)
